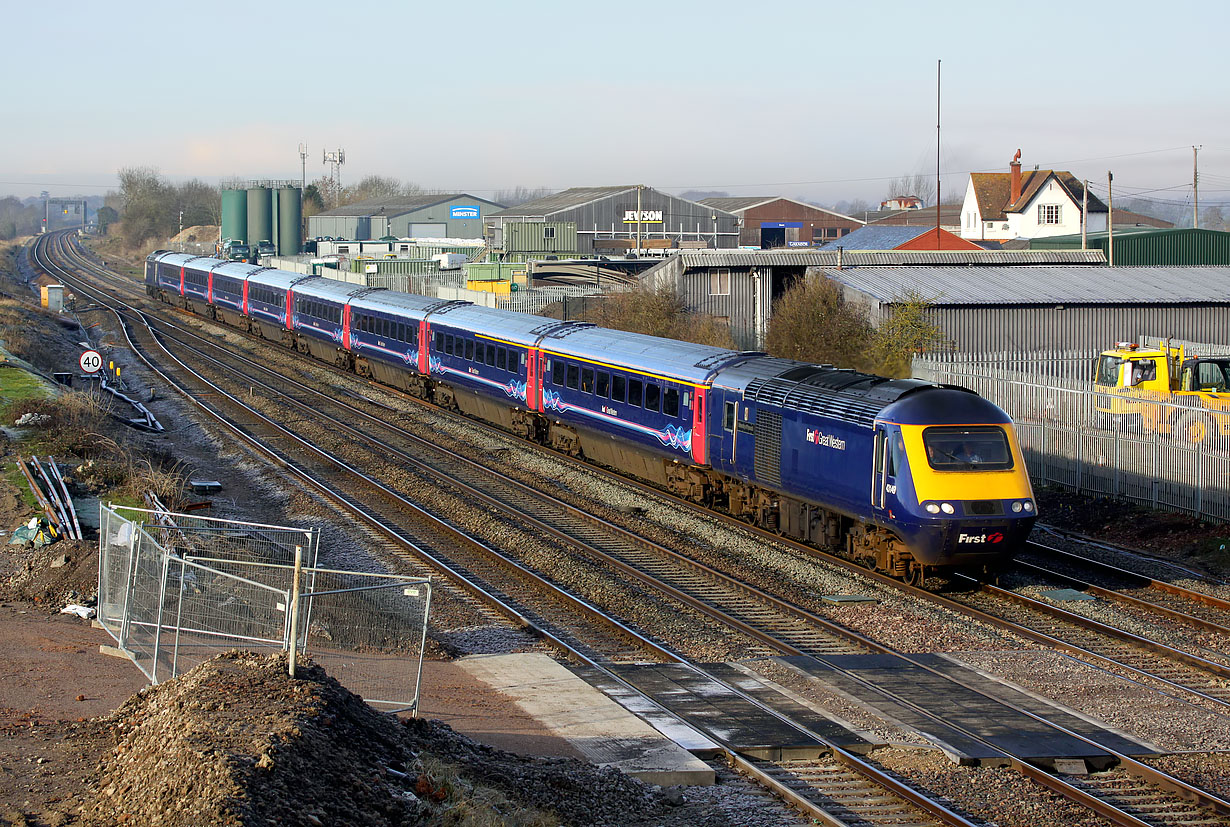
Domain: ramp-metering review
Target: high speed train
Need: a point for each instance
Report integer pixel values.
(907, 477)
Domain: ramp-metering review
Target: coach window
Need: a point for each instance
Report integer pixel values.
(470, 349)
(574, 377)
(587, 380)
(670, 402)
(557, 372)
(604, 384)
(618, 388)
(491, 355)
(448, 345)
(634, 392)
(439, 342)
(653, 396)
(501, 358)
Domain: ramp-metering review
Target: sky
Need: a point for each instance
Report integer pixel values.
(818, 100)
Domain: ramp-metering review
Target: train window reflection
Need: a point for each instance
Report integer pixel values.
(634, 392)
(975, 448)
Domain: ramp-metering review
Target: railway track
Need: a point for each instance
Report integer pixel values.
(547, 623)
(1197, 608)
(760, 616)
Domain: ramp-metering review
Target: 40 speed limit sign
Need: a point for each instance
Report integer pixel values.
(90, 361)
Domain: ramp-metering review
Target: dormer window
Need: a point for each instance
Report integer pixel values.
(1049, 214)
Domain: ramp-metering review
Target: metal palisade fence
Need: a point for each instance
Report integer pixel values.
(1069, 440)
(176, 589)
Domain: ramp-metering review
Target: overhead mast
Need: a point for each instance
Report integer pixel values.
(937, 154)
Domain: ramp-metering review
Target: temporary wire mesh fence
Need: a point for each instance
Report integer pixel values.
(1078, 438)
(179, 589)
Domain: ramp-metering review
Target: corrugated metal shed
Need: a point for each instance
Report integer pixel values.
(886, 258)
(1151, 246)
(1002, 309)
(625, 213)
(1042, 285)
(395, 205)
(569, 199)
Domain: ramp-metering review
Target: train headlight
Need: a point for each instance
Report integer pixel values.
(947, 508)
(932, 508)
(1028, 506)
(1016, 508)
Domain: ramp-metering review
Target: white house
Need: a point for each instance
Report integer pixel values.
(1004, 205)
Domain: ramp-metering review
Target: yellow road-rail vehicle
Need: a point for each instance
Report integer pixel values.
(1164, 390)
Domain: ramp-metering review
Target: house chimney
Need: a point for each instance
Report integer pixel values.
(1016, 177)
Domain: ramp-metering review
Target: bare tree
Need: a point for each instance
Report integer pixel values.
(919, 184)
(377, 186)
(520, 195)
(661, 312)
(812, 322)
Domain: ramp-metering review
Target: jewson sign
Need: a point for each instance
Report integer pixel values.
(463, 212)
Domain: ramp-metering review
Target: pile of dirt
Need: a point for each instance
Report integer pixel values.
(236, 741)
(1166, 534)
(203, 233)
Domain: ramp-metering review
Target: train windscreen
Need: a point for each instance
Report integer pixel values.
(973, 448)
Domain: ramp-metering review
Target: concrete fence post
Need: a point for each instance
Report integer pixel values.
(294, 608)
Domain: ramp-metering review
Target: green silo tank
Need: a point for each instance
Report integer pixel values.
(260, 215)
(290, 221)
(235, 215)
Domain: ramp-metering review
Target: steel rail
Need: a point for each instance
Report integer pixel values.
(894, 785)
(1079, 794)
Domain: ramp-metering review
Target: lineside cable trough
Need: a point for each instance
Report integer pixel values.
(47, 485)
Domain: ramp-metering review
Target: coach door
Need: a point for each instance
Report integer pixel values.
(722, 423)
(879, 470)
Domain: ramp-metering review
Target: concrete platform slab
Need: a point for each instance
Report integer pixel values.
(910, 694)
(602, 730)
(718, 710)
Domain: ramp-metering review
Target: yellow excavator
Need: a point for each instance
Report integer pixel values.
(1164, 390)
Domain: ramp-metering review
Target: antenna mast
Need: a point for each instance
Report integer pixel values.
(337, 157)
(937, 154)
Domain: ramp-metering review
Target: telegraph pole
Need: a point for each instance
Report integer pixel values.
(303, 162)
(1085, 218)
(937, 154)
(1110, 219)
(638, 219)
(1195, 190)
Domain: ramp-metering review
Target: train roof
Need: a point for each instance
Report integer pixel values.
(278, 279)
(841, 393)
(235, 269)
(945, 405)
(330, 290)
(523, 329)
(391, 301)
(170, 257)
(685, 361)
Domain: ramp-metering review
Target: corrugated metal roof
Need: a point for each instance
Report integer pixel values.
(736, 204)
(877, 237)
(566, 200)
(827, 258)
(398, 204)
(1042, 285)
(1134, 232)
